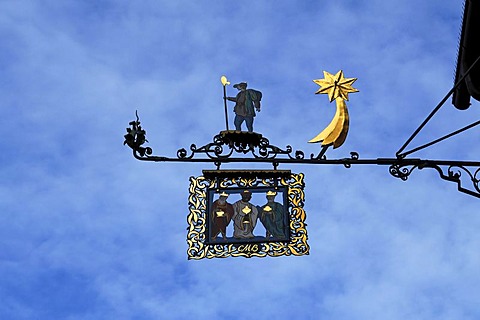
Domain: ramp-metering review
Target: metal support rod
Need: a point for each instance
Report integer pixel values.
(441, 139)
(399, 153)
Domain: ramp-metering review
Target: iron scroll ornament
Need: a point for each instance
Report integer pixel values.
(446, 170)
(224, 146)
(229, 141)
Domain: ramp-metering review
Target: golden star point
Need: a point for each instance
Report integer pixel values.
(336, 86)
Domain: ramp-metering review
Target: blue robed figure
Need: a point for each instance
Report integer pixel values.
(272, 216)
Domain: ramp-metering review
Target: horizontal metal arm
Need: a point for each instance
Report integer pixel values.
(255, 148)
(347, 162)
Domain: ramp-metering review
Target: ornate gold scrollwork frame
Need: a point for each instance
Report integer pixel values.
(198, 246)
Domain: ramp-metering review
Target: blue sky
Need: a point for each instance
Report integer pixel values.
(88, 232)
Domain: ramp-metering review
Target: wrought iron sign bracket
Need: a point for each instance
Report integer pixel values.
(235, 146)
(254, 148)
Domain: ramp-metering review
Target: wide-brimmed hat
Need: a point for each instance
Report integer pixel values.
(241, 84)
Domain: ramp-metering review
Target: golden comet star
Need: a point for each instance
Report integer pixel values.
(337, 87)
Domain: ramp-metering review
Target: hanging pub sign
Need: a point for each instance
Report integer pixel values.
(246, 213)
(249, 213)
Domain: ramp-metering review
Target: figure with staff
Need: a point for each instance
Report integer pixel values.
(247, 102)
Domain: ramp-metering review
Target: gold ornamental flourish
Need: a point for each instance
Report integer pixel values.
(337, 87)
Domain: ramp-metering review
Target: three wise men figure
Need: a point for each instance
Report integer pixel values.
(272, 216)
(221, 213)
(244, 217)
(247, 102)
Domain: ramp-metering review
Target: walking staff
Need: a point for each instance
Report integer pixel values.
(225, 83)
